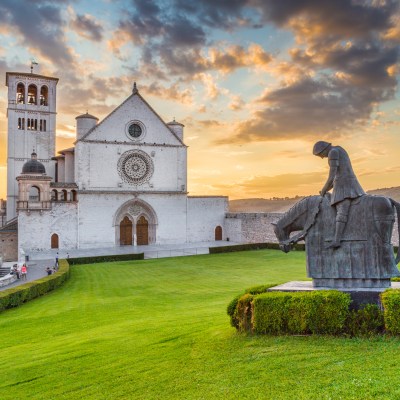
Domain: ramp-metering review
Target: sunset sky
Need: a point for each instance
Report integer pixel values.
(255, 82)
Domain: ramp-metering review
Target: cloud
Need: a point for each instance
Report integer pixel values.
(38, 25)
(284, 183)
(87, 27)
(173, 92)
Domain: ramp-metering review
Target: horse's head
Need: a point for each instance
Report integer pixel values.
(284, 243)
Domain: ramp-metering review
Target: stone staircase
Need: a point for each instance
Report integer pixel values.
(4, 271)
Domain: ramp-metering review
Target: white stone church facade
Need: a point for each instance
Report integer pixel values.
(123, 183)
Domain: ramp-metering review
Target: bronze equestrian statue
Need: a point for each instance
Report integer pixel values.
(347, 233)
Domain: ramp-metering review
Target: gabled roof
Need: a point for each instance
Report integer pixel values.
(134, 93)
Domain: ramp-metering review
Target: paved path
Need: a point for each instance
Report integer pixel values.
(36, 270)
(40, 260)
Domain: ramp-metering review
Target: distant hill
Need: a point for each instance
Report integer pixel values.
(283, 204)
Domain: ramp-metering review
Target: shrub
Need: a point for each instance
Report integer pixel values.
(391, 306)
(243, 313)
(251, 246)
(322, 312)
(99, 259)
(231, 310)
(366, 321)
(18, 295)
(260, 289)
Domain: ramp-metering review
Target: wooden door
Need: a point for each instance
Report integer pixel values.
(54, 241)
(218, 233)
(142, 231)
(125, 232)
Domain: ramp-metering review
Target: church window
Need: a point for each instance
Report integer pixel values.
(74, 196)
(19, 123)
(35, 124)
(23, 123)
(135, 167)
(28, 123)
(32, 94)
(54, 195)
(135, 130)
(44, 95)
(20, 93)
(34, 193)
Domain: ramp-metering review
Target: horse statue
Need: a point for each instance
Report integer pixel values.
(365, 258)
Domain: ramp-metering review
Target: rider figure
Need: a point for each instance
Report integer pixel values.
(344, 183)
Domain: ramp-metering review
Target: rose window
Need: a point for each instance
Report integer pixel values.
(135, 167)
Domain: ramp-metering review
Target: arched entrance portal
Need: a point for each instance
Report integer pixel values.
(142, 222)
(125, 232)
(218, 233)
(142, 231)
(54, 241)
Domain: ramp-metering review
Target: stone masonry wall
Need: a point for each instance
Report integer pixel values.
(9, 245)
(257, 228)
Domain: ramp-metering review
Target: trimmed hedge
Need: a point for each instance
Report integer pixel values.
(100, 259)
(391, 304)
(367, 321)
(317, 312)
(233, 310)
(251, 246)
(18, 295)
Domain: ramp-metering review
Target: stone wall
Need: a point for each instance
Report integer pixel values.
(251, 227)
(257, 228)
(9, 245)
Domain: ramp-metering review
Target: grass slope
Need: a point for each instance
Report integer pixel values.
(158, 329)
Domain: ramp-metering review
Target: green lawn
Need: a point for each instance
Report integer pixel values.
(158, 329)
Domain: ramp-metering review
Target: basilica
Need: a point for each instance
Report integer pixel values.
(124, 182)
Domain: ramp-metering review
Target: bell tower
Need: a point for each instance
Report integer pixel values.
(31, 116)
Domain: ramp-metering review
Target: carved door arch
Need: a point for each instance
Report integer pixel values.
(125, 232)
(142, 231)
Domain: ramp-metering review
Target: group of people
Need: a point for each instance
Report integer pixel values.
(20, 271)
(50, 271)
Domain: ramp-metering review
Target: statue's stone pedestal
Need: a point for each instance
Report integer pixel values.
(359, 296)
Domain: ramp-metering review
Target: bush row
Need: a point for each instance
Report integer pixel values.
(15, 296)
(251, 246)
(99, 259)
(316, 312)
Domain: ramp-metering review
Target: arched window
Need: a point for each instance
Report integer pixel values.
(74, 195)
(23, 123)
(20, 93)
(218, 233)
(44, 95)
(28, 123)
(54, 195)
(32, 94)
(34, 193)
(64, 195)
(44, 125)
(54, 241)
(19, 123)
(35, 124)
